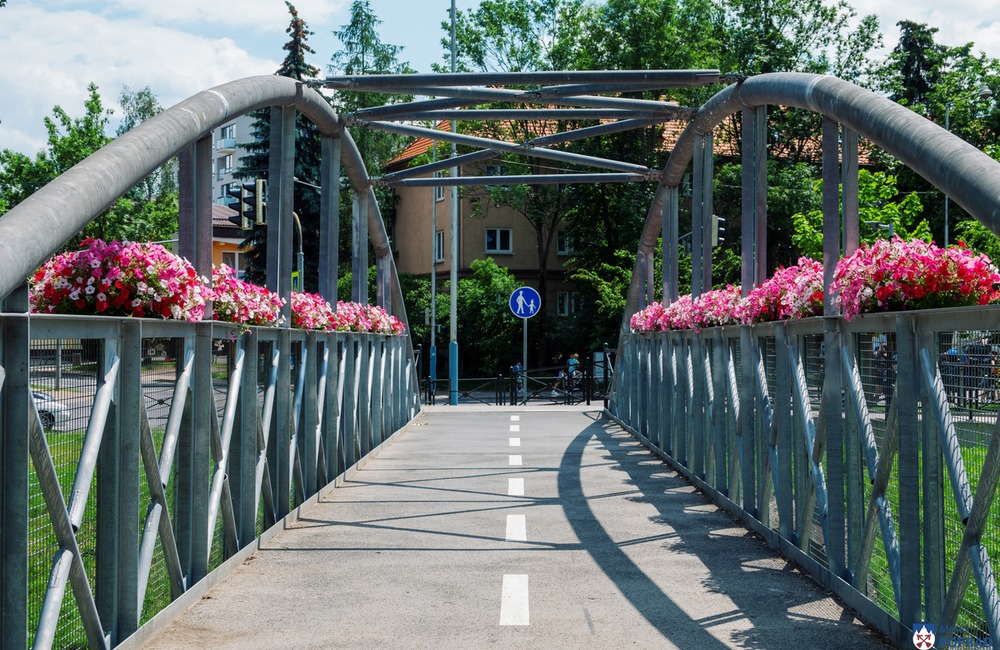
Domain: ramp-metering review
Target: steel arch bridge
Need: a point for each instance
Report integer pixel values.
(739, 397)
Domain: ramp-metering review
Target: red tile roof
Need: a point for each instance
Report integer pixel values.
(417, 147)
(220, 217)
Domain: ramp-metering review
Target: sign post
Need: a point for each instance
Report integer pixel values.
(525, 303)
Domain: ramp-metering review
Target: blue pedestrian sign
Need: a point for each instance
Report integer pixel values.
(525, 302)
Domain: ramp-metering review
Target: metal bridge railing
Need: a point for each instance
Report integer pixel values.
(161, 449)
(867, 451)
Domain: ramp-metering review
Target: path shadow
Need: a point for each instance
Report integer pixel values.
(764, 588)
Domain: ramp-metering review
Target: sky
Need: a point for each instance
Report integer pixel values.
(52, 49)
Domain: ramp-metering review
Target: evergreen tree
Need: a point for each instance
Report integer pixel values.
(308, 155)
(364, 53)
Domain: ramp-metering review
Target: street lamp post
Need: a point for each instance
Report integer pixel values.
(983, 92)
(299, 257)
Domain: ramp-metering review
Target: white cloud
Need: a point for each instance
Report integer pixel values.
(960, 22)
(216, 15)
(79, 47)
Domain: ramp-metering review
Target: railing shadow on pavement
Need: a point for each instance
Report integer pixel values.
(673, 500)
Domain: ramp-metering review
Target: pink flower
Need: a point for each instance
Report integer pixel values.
(135, 280)
(894, 274)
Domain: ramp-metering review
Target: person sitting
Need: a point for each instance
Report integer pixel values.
(573, 373)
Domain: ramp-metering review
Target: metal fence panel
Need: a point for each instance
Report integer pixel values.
(873, 446)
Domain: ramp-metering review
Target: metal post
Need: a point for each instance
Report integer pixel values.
(14, 463)
(708, 210)
(697, 220)
(432, 362)
(849, 181)
(754, 197)
(359, 249)
(453, 334)
(299, 258)
(947, 127)
(524, 345)
(329, 225)
(670, 245)
(831, 211)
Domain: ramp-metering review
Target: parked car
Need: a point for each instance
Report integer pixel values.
(53, 414)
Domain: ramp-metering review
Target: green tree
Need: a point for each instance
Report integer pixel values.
(364, 53)
(147, 212)
(308, 155)
(879, 202)
(915, 65)
(70, 140)
(490, 333)
(939, 82)
(978, 237)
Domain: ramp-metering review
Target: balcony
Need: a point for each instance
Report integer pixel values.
(225, 144)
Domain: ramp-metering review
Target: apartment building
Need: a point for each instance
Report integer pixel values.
(226, 155)
(422, 234)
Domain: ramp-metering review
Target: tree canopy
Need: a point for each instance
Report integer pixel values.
(148, 212)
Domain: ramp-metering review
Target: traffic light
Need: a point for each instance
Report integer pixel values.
(259, 200)
(250, 204)
(239, 219)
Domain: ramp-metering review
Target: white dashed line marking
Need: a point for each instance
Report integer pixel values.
(515, 442)
(515, 459)
(515, 427)
(515, 487)
(517, 528)
(515, 418)
(514, 600)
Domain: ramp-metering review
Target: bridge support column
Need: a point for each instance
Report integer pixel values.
(754, 199)
(194, 216)
(329, 222)
(702, 215)
(280, 170)
(669, 235)
(359, 248)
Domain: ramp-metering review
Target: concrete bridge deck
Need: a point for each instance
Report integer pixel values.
(540, 527)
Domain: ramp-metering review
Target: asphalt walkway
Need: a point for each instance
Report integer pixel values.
(531, 528)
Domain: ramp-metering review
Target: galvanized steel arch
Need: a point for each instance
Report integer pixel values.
(36, 228)
(966, 174)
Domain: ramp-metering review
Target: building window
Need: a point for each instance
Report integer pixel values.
(223, 166)
(439, 189)
(227, 198)
(228, 132)
(236, 261)
(498, 240)
(562, 303)
(567, 303)
(564, 243)
(439, 246)
(492, 170)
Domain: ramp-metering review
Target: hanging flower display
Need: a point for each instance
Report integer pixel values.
(147, 280)
(885, 276)
(355, 317)
(236, 301)
(793, 292)
(120, 279)
(894, 274)
(310, 311)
